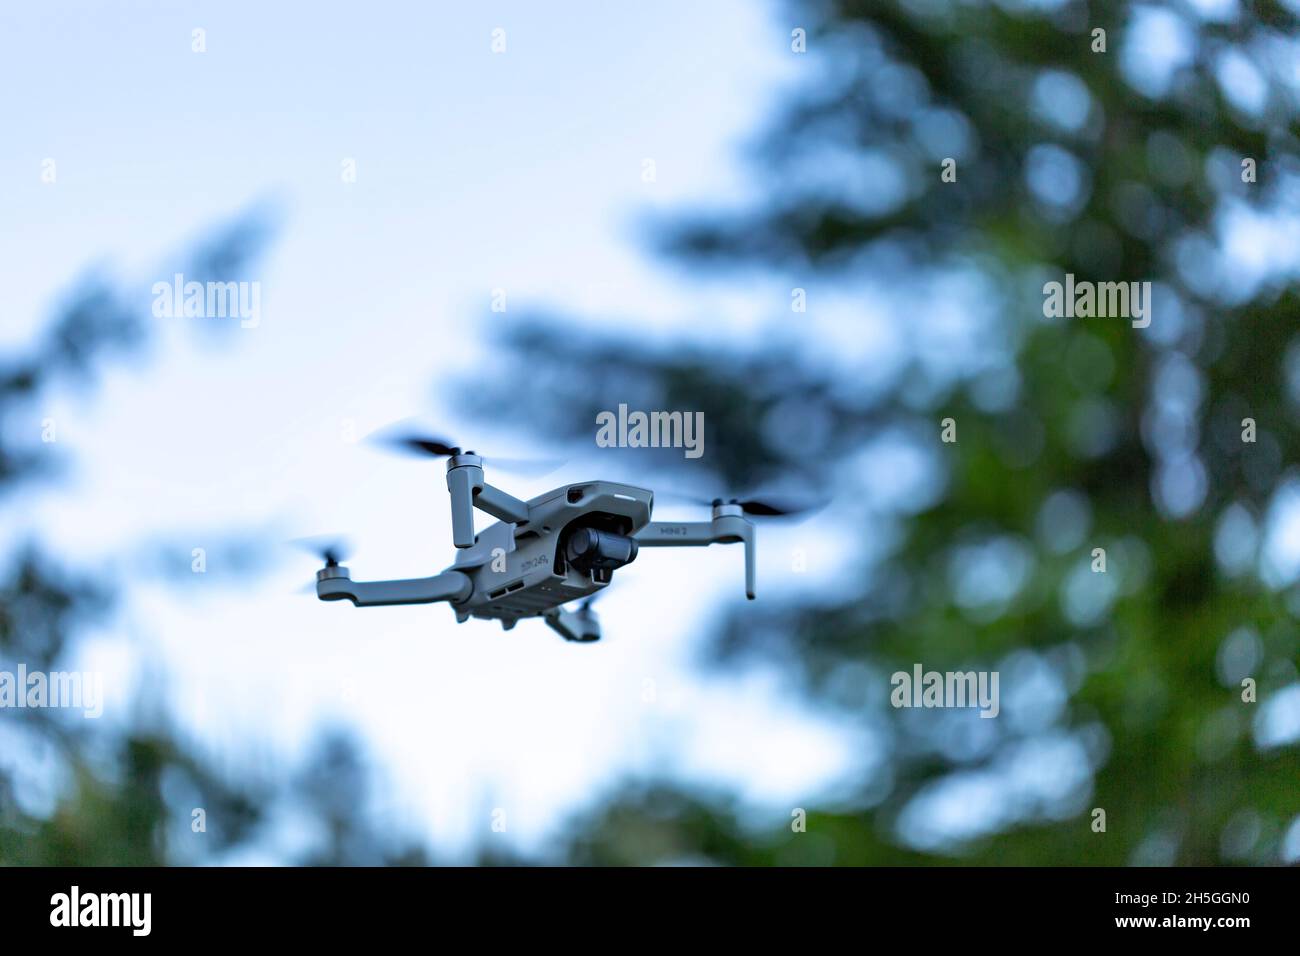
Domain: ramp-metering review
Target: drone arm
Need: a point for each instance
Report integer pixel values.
(724, 529)
(500, 505)
(676, 534)
(468, 490)
(461, 484)
(448, 586)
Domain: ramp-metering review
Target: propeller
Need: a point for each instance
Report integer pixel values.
(412, 440)
(421, 445)
(769, 506)
(331, 549)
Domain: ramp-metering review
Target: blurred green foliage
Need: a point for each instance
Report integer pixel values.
(77, 792)
(1121, 690)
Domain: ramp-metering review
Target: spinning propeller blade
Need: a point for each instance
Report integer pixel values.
(411, 440)
(778, 507)
(769, 506)
(331, 549)
(420, 445)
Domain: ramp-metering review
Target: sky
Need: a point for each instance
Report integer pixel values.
(475, 171)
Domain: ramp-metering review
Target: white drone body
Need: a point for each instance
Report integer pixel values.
(540, 554)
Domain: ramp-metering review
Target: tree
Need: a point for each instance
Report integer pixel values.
(952, 160)
(82, 792)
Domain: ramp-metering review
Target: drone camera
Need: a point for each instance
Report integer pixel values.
(590, 550)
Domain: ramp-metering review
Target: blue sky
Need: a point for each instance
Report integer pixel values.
(475, 171)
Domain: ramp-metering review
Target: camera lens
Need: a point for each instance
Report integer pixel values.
(591, 550)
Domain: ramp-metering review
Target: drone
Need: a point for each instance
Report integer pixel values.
(541, 554)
